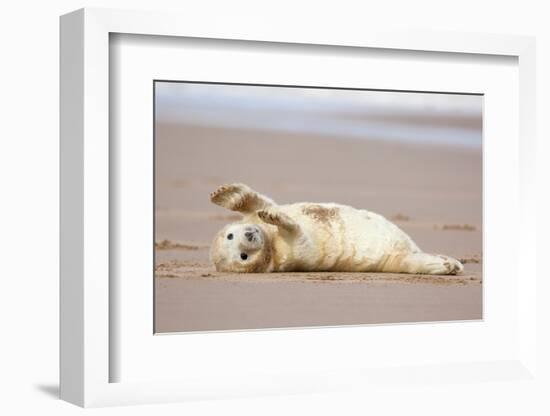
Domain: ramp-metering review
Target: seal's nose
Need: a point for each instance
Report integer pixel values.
(249, 235)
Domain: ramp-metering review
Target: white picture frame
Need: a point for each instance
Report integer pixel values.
(86, 356)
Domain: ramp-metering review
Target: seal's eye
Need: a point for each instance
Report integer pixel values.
(230, 236)
(244, 256)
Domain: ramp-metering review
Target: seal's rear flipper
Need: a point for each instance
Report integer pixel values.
(421, 263)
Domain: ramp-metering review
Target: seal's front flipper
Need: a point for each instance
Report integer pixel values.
(241, 198)
(271, 215)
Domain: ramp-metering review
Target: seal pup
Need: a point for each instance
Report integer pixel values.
(314, 237)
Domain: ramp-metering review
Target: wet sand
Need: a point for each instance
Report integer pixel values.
(431, 192)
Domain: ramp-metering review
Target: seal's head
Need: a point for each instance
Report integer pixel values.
(241, 248)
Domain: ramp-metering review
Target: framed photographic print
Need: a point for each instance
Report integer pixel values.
(259, 212)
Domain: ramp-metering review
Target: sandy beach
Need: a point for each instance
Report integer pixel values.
(433, 192)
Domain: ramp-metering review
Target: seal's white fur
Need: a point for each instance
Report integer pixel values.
(314, 237)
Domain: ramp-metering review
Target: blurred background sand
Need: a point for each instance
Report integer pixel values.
(414, 158)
